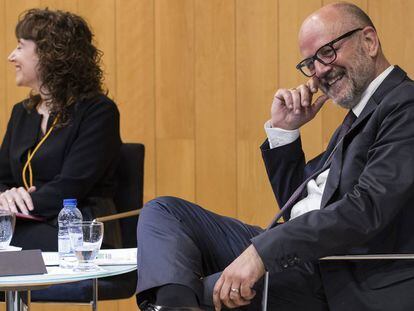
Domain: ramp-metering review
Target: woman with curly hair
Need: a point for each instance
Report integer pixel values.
(62, 141)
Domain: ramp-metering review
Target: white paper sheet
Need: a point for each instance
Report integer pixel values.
(106, 257)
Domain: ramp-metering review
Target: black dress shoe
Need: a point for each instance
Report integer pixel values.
(146, 306)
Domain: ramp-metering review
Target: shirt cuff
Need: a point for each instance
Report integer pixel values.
(278, 137)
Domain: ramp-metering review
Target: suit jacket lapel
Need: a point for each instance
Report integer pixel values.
(394, 78)
(334, 176)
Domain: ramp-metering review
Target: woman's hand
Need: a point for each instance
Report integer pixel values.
(17, 200)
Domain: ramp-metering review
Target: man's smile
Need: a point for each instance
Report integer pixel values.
(335, 79)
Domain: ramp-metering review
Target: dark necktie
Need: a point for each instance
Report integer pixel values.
(345, 127)
(346, 124)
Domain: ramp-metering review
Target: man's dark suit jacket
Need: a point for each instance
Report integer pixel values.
(367, 205)
(78, 160)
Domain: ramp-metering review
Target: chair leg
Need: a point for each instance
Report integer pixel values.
(265, 291)
(28, 300)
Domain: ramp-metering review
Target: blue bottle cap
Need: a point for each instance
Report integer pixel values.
(70, 202)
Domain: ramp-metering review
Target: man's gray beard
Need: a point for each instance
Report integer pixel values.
(349, 101)
(358, 86)
(359, 81)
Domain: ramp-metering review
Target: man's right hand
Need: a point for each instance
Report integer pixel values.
(292, 108)
(17, 200)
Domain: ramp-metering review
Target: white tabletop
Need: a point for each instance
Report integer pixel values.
(58, 276)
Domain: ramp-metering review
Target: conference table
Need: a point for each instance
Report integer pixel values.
(17, 288)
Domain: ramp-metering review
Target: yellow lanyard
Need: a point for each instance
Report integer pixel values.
(30, 156)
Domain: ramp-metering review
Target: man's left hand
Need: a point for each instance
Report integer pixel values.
(234, 288)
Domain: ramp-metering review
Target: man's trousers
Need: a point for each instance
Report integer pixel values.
(182, 243)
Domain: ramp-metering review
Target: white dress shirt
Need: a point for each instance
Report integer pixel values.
(278, 137)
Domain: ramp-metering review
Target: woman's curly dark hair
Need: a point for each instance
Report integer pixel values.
(69, 63)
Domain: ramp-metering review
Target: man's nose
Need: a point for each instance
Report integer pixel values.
(321, 69)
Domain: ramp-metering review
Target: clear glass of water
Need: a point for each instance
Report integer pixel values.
(7, 221)
(86, 238)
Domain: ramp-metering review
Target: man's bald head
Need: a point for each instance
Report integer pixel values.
(347, 35)
(354, 14)
(336, 17)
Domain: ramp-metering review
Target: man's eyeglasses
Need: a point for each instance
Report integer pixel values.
(326, 55)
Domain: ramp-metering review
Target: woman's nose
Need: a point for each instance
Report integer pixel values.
(10, 58)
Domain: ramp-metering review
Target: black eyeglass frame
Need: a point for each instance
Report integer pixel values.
(329, 44)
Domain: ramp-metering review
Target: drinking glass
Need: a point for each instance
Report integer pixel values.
(86, 238)
(7, 221)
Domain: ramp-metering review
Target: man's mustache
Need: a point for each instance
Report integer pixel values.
(332, 75)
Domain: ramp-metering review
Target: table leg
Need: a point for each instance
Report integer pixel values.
(15, 300)
(95, 294)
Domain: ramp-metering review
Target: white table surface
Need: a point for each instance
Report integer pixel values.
(55, 276)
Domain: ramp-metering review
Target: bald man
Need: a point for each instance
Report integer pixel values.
(355, 198)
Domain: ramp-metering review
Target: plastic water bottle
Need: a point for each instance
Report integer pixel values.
(68, 215)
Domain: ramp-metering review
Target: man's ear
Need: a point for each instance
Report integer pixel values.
(371, 41)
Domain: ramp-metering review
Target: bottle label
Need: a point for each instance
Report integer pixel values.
(64, 246)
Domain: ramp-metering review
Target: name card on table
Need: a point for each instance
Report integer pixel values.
(22, 263)
(105, 257)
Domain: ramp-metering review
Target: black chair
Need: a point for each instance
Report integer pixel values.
(128, 200)
(365, 257)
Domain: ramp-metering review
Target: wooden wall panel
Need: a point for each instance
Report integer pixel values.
(215, 105)
(174, 95)
(112, 305)
(127, 304)
(135, 72)
(194, 81)
(291, 15)
(100, 14)
(394, 21)
(256, 57)
(13, 10)
(363, 4)
(64, 5)
(3, 62)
